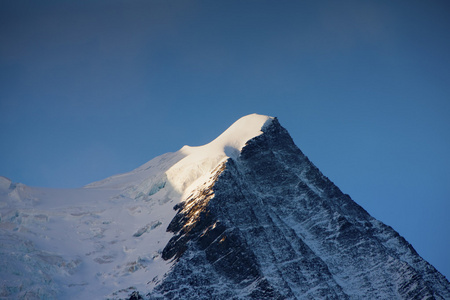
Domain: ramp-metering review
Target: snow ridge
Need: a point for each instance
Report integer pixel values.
(198, 162)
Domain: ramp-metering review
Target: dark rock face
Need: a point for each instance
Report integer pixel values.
(135, 296)
(271, 226)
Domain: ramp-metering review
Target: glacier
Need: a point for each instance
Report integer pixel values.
(247, 216)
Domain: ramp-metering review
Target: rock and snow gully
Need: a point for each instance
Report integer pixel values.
(246, 216)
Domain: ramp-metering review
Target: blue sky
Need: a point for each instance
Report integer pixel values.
(89, 89)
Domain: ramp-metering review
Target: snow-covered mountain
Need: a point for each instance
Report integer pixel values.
(246, 216)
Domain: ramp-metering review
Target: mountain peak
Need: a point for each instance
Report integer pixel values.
(232, 140)
(200, 161)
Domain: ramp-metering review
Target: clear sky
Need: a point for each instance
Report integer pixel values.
(89, 89)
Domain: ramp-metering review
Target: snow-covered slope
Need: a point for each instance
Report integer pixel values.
(108, 236)
(245, 216)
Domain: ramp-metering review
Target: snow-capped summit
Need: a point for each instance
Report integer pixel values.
(200, 161)
(232, 140)
(246, 216)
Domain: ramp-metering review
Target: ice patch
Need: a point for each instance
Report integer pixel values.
(147, 228)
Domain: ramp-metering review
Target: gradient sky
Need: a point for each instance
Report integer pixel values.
(89, 89)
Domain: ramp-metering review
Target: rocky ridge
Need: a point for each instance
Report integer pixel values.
(269, 225)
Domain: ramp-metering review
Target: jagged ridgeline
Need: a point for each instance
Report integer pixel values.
(246, 216)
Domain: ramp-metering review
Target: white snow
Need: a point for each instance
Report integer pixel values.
(104, 240)
(199, 161)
